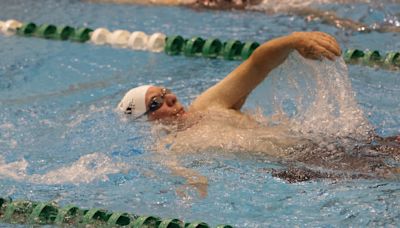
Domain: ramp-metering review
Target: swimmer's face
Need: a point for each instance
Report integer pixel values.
(163, 105)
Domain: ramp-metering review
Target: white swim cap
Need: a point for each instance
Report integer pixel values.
(134, 101)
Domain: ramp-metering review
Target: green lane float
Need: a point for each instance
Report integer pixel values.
(373, 58)
(248, 49)
(18, 212)
(212, 48)
(392, 59)
(69, 215)
(119, 219)
(193, 46)
(146, 221)
(352, 55)
(95, 215)
(43, 213)
(46, 31)
(39, 213)
(27, 29)
(232, 50)
(4, 201)
(174, 45)
(81, 35)
(171, 223)
(197, 225)
(63, 32)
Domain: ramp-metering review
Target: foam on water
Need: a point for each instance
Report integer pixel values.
(321, 96)
(88, 168)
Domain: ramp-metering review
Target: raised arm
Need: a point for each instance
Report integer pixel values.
(232, 91)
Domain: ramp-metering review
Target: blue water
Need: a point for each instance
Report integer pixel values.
(60, 139)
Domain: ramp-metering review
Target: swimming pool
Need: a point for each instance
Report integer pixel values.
(62, 141)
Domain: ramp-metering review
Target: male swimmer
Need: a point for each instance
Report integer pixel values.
(158, 103)
(214, 120)
(221, 104)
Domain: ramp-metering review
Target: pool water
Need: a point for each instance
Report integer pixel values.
(61, 139)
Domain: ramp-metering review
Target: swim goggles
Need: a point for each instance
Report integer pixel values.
(156, 102)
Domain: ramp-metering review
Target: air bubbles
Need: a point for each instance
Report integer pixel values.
(323, 97)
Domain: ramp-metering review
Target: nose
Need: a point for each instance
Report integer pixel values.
(170, 99)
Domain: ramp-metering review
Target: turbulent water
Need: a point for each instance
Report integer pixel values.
(315, 121)
(95, 166)
(322, 100)
(60, 139)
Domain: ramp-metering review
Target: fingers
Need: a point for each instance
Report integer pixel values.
(329, 46)
(315, 51)
(316, 45)
(326, 35)
(330, 43)
(326, 53)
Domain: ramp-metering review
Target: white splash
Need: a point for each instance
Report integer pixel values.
(88, 168)
(13, 170)
(322, 95)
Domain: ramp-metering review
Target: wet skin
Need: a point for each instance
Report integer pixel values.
(170, 110)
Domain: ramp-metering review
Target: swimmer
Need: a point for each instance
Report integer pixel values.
(224, 100)
(161, 104)
(271, 7)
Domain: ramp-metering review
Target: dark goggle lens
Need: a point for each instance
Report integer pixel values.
(155, 104)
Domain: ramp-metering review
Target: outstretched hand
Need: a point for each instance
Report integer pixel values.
(316, 45)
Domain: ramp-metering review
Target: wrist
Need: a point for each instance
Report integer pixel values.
(292, 40)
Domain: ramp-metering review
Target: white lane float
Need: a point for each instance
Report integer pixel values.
(119, 38)
(100, 36)
(1, 25)
(10, 27)
(156, 42)
(138, 40)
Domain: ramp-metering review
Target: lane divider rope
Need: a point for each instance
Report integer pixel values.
(176, 45)
(391, 60)
(39, 213)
